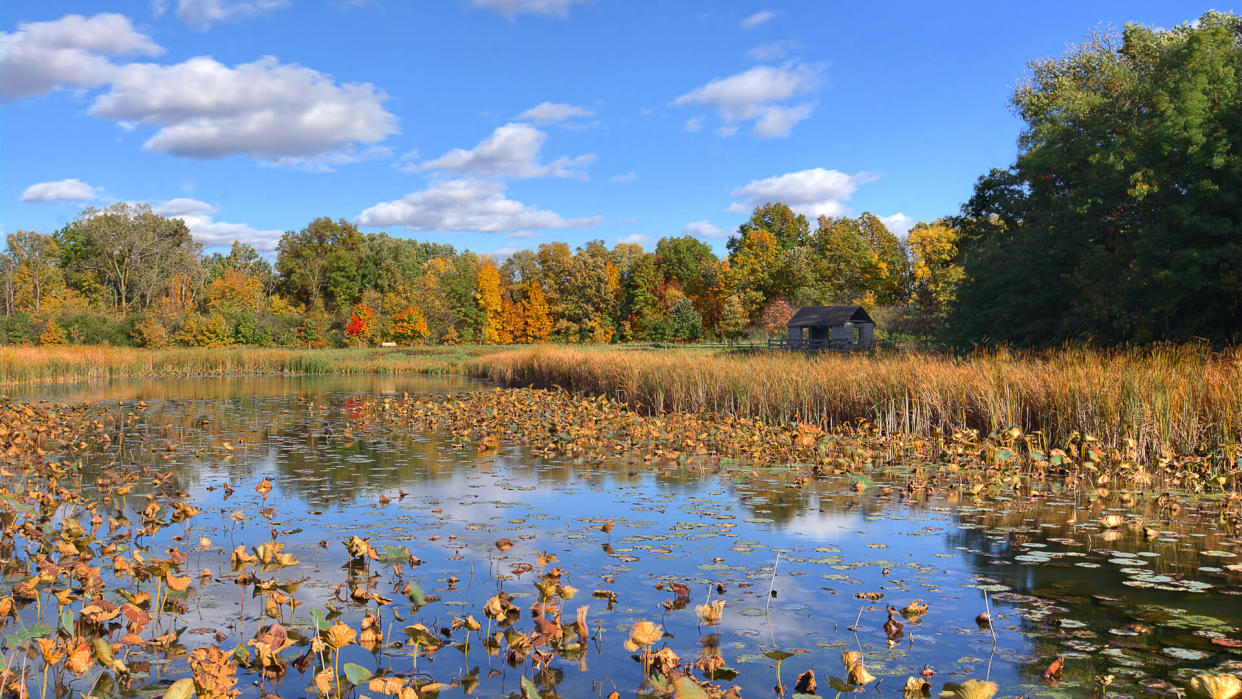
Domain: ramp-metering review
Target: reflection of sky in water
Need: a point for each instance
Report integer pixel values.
(706, 528)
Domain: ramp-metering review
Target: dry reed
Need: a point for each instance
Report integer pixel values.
(1169, 400)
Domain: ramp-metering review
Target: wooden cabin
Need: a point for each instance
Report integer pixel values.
(830, 327)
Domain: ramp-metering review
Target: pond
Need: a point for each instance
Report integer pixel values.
(805, 567)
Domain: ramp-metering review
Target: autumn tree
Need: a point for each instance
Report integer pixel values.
(36, 257)
(409, 326)
(752, 261)
(538, 322)
(233, 292)
(935, 272)
(776, 317)
(488, 294)
(360, 325)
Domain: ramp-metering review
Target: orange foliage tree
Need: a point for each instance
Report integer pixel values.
(409, 327)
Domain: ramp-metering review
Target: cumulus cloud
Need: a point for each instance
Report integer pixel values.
(761, 17)
(40, 57)
(693, 125)
(773, 51)
(759, 95)
(704, 229)
(511, 150)
(268, 110)
(513, 8)
(635, 239)
(815, 192)
(554, 113)
(466, 205)
(64, 190)
(623, 178)
(203, 14)
(898, 224)
(211, 233)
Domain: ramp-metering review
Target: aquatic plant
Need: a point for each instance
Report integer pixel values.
(1154, 403)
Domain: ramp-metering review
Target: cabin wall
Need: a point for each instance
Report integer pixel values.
(795, 334)
(842, 332)
(866, 334)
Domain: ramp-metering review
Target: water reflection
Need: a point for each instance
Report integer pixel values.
(1062, 585)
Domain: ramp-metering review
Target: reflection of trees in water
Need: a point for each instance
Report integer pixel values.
(1068, 592)
(231, 387)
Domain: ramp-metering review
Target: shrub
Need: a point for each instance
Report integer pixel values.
(150, 333)
(52, 334)
(204, 331)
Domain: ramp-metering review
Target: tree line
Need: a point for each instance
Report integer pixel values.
(1119, 222)
(124, 274)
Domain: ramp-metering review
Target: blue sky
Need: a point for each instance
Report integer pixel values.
(500, 124)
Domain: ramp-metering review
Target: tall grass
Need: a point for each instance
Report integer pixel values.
(1175, 400)
(22, 365)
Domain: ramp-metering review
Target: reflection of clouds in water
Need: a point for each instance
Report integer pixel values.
(824, 526)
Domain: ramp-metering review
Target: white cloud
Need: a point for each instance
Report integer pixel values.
(703, 229)
(756, 95)
(761, 17)
(40, 57)
(64, 190)
(623, 178)
(776, 121)
(693, 125)
(184, 206)
(898, 224)
(815, 192)
(520, 235)
(635, 239)
(211, 233)
(773, 51)
(272, 111)
(511, 150)
(202, 14)
(513, 8)
(466, 205)
(554, 113)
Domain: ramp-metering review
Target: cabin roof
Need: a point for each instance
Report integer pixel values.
(830, 316)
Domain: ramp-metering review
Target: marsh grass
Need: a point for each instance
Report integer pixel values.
(1168, 400)
(26, 365)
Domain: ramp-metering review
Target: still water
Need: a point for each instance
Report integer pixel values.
(1150, 604)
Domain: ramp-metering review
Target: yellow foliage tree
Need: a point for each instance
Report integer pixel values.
(234, 291)
(936, 276)
(538, 321)
(488, 295)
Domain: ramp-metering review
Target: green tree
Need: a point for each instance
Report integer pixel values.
(130, 251)
(685, 323)
(319, 265)
(1121, 218)
(733, 319)
(786, 227)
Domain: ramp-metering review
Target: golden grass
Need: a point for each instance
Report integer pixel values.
(24, 365)
(1169, 400)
